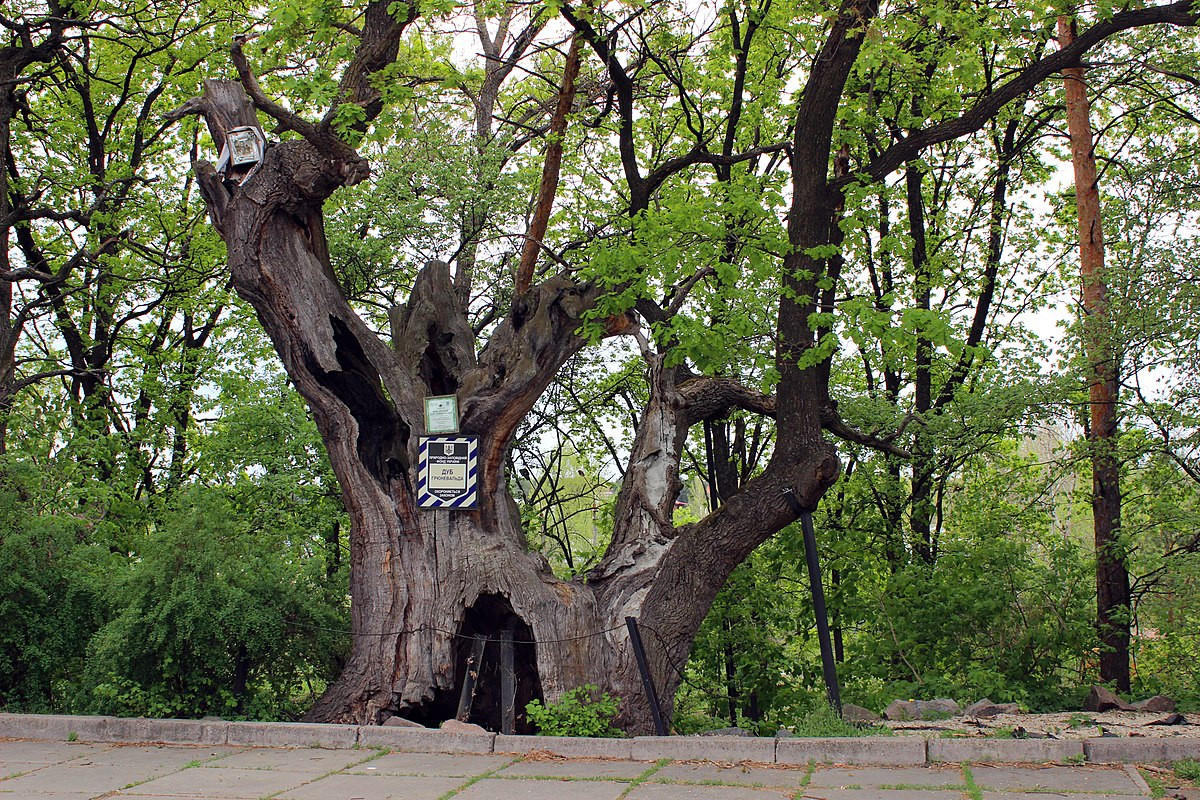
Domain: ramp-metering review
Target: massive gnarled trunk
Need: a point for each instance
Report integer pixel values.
(423, 581)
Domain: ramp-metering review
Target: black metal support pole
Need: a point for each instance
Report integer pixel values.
(818, 594)
(467, 698)
(639, 652)
(508, 685)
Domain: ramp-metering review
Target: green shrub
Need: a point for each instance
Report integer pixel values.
(821, 722)
(215, 618)
(51, 600)
(582, 711)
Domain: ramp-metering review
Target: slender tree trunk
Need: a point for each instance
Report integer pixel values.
(1101, 357)
(921, 510)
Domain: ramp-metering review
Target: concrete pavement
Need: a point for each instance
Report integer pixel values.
(61, 770)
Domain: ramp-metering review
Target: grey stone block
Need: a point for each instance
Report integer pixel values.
(291, 734)
(1141, 750)
(713, 748)
(171, 731)
(58, 727)
(900, 751)
(1023, 750)
(578, 747)
(424, 740)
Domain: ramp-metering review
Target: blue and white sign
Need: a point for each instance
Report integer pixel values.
(447, 472)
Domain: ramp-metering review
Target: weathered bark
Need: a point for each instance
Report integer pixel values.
(1102, 360)
(550, 171)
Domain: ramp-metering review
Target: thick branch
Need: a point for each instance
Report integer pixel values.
(383, 26)
(431, 334)
(1179, 13)
(550, 172)
(714, 397)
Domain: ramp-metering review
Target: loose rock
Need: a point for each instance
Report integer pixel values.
(921, 709)
(1173, 719)
(1159, 704)
(1101, 699)
(727, 732)
(454, 726)
(401, 722)
(986, 708)
(899, 710)
(937, 709)
(857, 715)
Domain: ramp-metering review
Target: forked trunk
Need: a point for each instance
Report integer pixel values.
(424, 583)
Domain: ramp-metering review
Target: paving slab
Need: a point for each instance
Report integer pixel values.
(711, 748)
(94, 778)
(242, 784)
(304, 760)
(373, 787)
(606, 770)
(1099, 780)
(502, 789)
(898, 751)
(6, 794)
(43, 752)
(823, 793)
(13, 769)
(147, 759)
(1050, 796)
(456, 765)
(925, 777)
(744, 775)
(1028, 751)
(652, 791)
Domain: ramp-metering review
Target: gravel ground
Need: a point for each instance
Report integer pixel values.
(1070, 725)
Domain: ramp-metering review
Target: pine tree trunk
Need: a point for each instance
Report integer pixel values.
(1101, 357)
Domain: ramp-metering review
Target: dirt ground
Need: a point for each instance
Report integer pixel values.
(1069, 725)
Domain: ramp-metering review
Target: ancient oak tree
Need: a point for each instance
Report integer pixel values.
(423, 581)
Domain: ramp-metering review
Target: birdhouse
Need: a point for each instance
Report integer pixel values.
(244, 147)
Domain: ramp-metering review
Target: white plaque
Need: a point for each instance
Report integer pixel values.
(441, 414)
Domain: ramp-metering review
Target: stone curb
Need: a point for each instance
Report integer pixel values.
(1018, 750)
(575, 747)
(880, 751)
(712, 748)
(1140, 751)
(866, 751)
(425, 740)
(291, 734)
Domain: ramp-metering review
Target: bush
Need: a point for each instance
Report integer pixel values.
(580, 712)
(215, 619)
(51, 601)
(821, 722)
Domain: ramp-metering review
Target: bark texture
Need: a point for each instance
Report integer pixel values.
(1102, 359)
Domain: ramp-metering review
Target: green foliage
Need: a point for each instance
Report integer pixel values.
(1188, 769)
(52, 596)
(215, 618)
(820, 721)
(582, 711)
